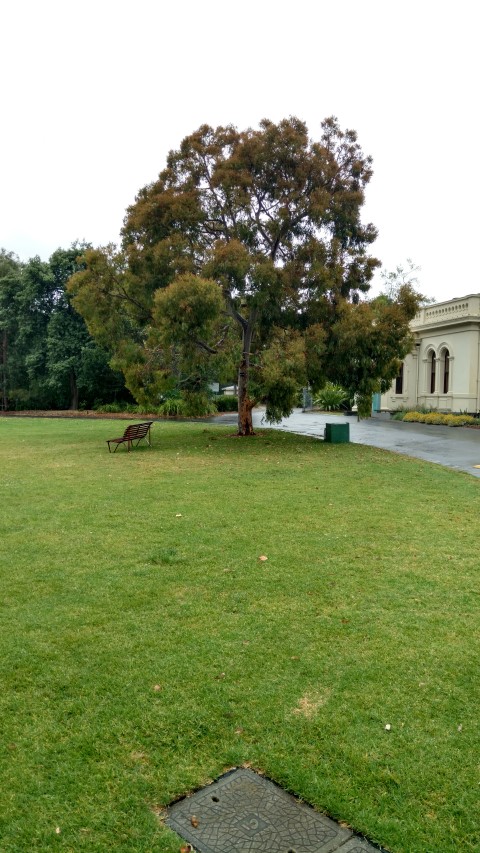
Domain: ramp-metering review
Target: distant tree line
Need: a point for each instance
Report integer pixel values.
(48, 359)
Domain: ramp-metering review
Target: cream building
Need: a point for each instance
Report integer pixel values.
(443, 370)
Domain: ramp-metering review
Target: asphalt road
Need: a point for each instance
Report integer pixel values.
(453, 447)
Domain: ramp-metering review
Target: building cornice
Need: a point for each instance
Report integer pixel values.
(454, 312)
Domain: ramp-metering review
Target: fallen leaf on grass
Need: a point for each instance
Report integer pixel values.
(263, 558)
(157, 687)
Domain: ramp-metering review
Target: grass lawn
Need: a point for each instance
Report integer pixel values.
(145, 647)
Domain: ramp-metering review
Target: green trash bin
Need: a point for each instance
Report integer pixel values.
(337, 433)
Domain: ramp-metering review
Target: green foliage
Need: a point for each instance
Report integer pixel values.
(226, 402)
(364, 405)
(198, 405)
(279, 373)
(243, 237)
(331, 398)
(368, 342)
(188, 405)
(10, 367)
(187, 311)
(173, 407)
(117, 407)
(48, 359)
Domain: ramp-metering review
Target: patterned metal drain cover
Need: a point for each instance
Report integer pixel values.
(245, 813)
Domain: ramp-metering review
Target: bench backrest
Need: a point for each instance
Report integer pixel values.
(137, 430)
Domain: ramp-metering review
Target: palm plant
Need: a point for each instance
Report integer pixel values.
(331, 398)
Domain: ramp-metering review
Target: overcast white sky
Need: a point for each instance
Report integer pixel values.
(95, 94)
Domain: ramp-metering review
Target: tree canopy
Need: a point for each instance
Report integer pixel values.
(48, 359)
(246, 256)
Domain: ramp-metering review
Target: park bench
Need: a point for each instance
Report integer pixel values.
(133, 433)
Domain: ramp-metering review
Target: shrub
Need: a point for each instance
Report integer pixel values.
(461, 420)
(441, 419)
(174, 407)
(109, 408)
(198, 405)
(434, 418)
(117, 408)
(189, 405)
(331, 398)
(226, 403)
(400, 414)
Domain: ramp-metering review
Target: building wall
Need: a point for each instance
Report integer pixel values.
(391, 400)
(452, 326)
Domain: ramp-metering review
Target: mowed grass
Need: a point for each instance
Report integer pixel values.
(145, 647)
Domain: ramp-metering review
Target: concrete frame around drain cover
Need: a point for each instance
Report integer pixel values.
(242, 812)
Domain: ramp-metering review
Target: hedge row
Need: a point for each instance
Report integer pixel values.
(438, 418)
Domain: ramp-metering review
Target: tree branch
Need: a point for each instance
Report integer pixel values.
(218, 203)
(206, 347)
(233, 311)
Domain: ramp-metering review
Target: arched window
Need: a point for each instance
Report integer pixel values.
(446, 370)
(399, 381)
(433, 364)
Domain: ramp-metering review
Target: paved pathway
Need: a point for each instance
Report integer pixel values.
(454, 447)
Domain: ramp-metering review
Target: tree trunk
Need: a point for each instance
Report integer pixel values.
(245, 404)
(73, 391)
